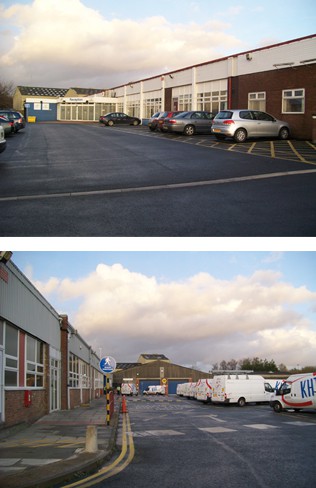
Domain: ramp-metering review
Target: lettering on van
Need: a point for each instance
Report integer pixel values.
(308, 387)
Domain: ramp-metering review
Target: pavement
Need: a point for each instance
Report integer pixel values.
(54, 450)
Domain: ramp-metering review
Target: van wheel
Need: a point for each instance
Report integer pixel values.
(240, 135)
(241, 402)
(189, 130)
(277, 407)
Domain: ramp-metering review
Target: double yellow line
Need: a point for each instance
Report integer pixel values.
(120, 463)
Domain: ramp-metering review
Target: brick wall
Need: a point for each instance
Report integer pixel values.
(273, 82)
(15, 410)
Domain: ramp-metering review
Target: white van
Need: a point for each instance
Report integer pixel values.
(204, 390)
(155, 390)
(180, 388)
(129, 389)
(297, 392)
(241, 389)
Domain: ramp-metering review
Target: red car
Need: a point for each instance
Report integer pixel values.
(165, 116)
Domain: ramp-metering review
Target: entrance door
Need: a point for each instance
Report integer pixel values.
(54, 385)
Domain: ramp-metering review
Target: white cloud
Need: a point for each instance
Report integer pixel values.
(201, 319)
(60, 42)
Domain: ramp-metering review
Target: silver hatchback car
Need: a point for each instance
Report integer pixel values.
(242, 124)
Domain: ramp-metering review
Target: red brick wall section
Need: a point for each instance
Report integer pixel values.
(16, 412)
(74, 396)
(273, 82)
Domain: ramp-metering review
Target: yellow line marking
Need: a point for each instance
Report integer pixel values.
(296, 152)
(253, 145)
(114, 467)
(310, 144)
(272, 150)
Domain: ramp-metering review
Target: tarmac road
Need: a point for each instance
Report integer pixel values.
(89, 180)
(180, 442)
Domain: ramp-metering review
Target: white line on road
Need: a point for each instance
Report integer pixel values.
(170, 186)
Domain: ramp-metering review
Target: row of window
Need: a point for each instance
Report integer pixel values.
(34, 362)
(293, 102)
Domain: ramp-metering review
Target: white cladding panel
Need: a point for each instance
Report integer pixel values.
(152, 84)
(263, 60)
(212, 71)
(23, 306)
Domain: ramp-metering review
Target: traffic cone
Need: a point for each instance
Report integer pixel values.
(124, 406)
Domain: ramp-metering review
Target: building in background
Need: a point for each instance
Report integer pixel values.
(279, 79)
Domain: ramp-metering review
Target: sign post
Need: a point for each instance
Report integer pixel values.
(107, 366)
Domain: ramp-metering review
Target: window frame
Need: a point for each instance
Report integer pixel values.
(34, 366)
(293, 96)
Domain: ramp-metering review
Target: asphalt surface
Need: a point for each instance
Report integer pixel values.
(52, 451)
(88, 180)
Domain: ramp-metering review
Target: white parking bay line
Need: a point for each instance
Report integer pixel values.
(299, 423)
(261, 426)
(217, 430)
(164, 432)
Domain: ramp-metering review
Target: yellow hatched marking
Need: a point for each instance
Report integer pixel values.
(253, 145)
(272, 149)
(296, 152)
(310, 144)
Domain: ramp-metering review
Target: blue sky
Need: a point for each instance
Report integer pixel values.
(207, 306)
(102, 44)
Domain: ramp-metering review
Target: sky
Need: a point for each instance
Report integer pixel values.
(104, 44)
(197, 308)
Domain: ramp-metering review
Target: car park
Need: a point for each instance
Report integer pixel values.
(7, 125)
(3, 142)
(115, 118)
(16, 117)
(241, 124)
(189, 123)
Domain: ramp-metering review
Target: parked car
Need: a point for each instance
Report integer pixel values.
(16, 117)
(240, 124)
(114, 118)
(189, 123)
(153, 121)
(165, 116)
(7, 125)
(3, 142)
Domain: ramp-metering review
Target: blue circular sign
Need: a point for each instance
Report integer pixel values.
(107, 364)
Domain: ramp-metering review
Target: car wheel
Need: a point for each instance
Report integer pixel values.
(189, 130)
(135, 122)
(284, 133)
(240, 135)
(152, 128)
(110, 123)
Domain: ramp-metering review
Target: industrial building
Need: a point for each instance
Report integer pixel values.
(45, 364)
(156, 369)
(279, 79)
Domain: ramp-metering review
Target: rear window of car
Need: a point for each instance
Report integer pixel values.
(226, 114)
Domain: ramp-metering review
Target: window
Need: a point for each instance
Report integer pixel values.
(185, 102)
(151, 106)
(73, 379)
(212, 101)
(257, 101)
(85, 380)
(293, 101)
(34, 363)
(11, 356)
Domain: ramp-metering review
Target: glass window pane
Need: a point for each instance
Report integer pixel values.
(10, 378)
(30, 350)
(11, 341)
